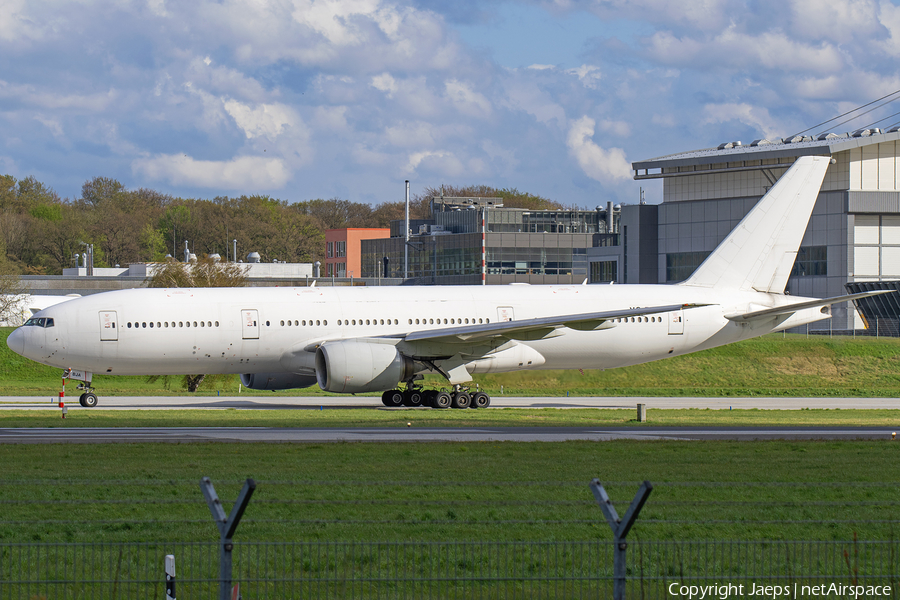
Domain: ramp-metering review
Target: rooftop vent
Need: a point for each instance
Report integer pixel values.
(253, 257)
(865, 132)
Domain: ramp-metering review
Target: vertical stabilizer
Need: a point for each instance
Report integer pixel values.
(760, 252)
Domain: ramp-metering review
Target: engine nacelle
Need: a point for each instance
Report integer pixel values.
(355, 366)
(276, 381)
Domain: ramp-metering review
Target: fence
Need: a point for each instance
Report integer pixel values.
(90, 525)
(432, 570)
(879, 327)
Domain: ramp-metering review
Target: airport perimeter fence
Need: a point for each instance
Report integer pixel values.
(439, 570)
(548, 540)
(878, 327)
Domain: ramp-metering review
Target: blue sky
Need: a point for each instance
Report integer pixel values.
(304, 99)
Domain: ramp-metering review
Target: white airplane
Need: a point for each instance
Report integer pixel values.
(351, 340)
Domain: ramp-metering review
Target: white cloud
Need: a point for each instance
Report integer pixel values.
(58, 100)
(384, 82)
(698, 14)
(890, 18)
(242, 173)
(525, 95)
(838, 21)
(589, 75)
(52, 124)
(663, 120)
(466, 100)
(331, 119)
(17, 24)
(411, 135)
(353, 35)
(440, 162)
(754, 116)
(265, 120)
(413, 94)
(158, 7)
(597, 163)
(773, 50)
(617, 128)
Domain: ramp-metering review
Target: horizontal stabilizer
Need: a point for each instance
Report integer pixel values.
(788, 309)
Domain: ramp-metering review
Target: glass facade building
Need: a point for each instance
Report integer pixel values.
(520, 246)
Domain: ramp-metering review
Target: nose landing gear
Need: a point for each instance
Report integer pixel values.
(88, 398)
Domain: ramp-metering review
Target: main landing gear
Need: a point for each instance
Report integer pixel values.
(460, 397)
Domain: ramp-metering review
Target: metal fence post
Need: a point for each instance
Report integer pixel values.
(620, 529)
(170, 577)
(227, 526)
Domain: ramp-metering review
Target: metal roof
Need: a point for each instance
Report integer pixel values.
(777, 149)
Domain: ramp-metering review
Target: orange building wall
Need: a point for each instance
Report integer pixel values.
(352, 237)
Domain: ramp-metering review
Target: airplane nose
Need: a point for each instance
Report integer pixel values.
(16, 341)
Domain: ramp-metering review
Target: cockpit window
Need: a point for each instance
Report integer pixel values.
(39, 322)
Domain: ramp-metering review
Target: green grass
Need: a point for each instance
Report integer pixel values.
(769, 366)
(450, 491)
(424, 417)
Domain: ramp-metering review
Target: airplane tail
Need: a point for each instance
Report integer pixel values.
(760, 252)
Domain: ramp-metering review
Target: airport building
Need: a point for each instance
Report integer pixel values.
(853, 237)
(476, 240)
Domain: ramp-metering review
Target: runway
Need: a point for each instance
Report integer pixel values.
(482, 434)
(320, 403)
(415, 434)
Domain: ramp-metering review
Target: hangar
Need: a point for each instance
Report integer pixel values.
(853, 236)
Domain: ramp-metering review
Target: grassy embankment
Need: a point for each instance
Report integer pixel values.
(768, 366)
(479, 491)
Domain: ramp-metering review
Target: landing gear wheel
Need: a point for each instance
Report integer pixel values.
(428, 397)
(461, 400)
(442, 400)
(88, 400)
(480, 400)
(412, 398)
(392, 398)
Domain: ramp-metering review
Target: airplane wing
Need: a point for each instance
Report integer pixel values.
(789, 309)
(531, 329)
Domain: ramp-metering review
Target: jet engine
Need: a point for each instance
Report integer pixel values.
(276, 381)
(356, 366)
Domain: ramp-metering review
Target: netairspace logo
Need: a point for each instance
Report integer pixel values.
(776, 592)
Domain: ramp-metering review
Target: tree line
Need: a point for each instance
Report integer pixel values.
(40, 232)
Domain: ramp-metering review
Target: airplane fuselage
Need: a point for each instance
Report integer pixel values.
(255, 330)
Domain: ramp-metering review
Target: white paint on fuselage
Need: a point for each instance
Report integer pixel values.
(158, 341)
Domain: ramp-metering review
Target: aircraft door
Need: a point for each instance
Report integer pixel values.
(505, 313)
(109, 332)
(250, 324)
(676, 322)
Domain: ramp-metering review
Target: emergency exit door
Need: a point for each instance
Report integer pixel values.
(109, 332)
(250, 324)
(676, 322)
